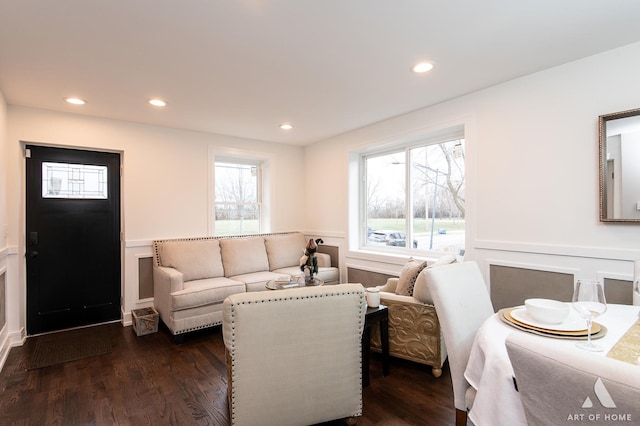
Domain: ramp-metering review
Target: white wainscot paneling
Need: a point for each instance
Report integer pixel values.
(134, 251)
(581, 262)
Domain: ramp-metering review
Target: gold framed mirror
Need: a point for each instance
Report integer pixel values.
(619, 143)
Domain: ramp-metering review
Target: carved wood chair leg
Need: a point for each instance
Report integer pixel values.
(437, 372)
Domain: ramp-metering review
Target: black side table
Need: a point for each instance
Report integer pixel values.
(379, 315)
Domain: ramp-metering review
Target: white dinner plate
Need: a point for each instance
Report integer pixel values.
(573, 322)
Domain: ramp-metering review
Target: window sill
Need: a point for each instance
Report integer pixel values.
(384, 257)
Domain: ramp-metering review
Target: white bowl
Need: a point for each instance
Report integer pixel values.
(547, 311)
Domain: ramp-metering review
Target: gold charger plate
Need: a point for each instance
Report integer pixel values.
(597, 330)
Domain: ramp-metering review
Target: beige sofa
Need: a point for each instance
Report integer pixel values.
(193, 276)
(414, 330)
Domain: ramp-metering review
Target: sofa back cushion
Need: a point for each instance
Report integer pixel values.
(243, 255)
(196, 259)
(284, 250)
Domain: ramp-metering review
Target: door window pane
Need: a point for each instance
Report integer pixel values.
(81, 181)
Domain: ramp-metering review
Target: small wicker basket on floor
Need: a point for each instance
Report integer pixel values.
(145, 321)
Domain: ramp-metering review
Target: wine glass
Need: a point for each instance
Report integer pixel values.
(588, 300)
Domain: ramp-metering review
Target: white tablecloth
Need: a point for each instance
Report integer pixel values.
(490, 373)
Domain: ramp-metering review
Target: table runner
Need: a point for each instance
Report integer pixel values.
(627, 349)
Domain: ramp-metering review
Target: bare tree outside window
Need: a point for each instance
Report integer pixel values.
(428, 213)
(237, 198)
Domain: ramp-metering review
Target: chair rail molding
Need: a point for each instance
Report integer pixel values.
(610, 253)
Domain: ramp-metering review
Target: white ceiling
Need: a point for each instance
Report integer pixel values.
(243, 67)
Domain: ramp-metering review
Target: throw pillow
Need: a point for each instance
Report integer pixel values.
(408, 276)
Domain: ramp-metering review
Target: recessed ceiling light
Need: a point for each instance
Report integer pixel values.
(157, 102)
(75, 101)
(286, 126)
(422, 67)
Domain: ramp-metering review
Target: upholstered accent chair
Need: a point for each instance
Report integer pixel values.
(294, 356)
(555, 382)
(414, 330)
(462, 303)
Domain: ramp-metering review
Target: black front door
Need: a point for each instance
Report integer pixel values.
(73, 238)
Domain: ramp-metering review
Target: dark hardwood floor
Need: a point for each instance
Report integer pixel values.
(149, 380)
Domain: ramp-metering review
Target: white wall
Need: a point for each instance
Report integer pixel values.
(532, 170)
(165, 182)
(3, 173)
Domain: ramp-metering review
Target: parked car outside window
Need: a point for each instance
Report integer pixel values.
(390, 238)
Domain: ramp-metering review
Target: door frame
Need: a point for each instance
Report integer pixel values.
(23, 218)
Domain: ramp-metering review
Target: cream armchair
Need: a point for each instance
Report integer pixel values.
(294, 356)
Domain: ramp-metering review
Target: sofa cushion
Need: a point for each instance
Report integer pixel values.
(257, 281)
(196, 259)
(243, 255)
(209, 291)
(284, 250)
(408, 276)
(421, 289)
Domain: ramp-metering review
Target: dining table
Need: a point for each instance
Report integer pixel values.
(490, 373)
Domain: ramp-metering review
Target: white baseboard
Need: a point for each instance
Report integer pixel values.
(8, 341)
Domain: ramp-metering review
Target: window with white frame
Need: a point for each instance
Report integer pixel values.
(238, 197)
(412, 196)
